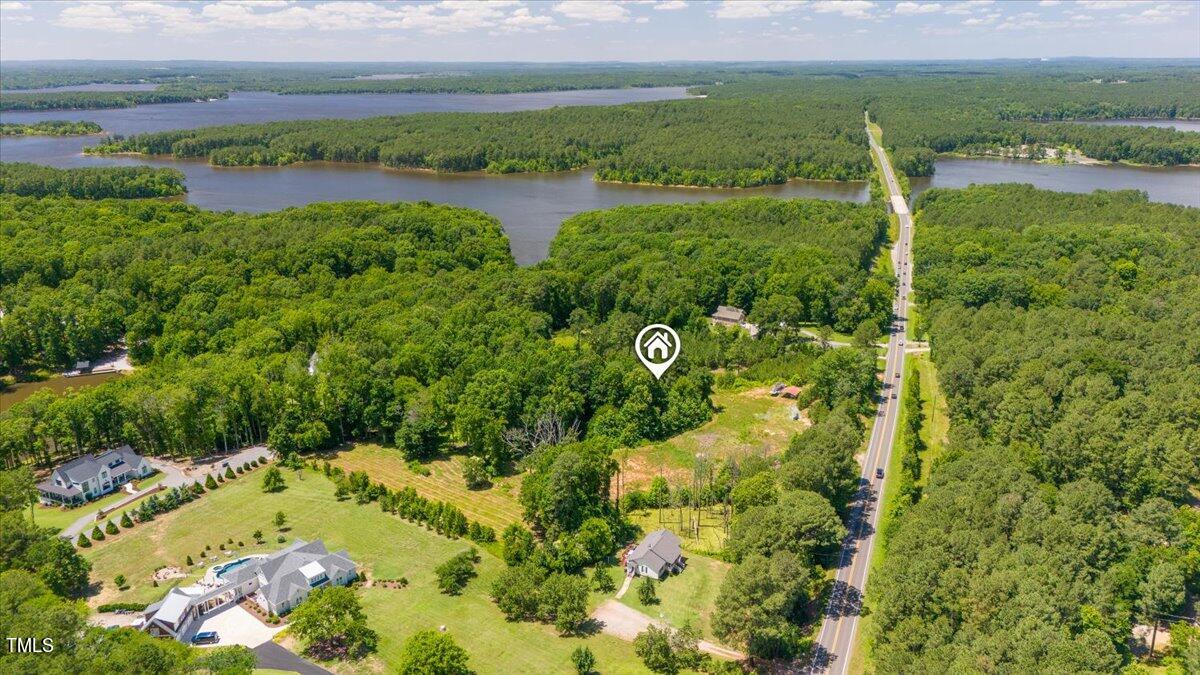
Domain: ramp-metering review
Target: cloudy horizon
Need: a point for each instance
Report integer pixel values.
(598, 30)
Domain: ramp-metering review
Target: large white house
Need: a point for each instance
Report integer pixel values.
(657, 556)
(277, 583)
(93, 476)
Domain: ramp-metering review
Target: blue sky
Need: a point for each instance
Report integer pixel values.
(589, 30)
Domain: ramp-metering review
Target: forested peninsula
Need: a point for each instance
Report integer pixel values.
(50, 128)
(73, 100)
(90, 183)
(1060, 328)
(756, 130)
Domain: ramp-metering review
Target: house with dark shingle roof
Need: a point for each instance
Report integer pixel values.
(277, 582)
(656, 556)
(282, 580)
(92, 476)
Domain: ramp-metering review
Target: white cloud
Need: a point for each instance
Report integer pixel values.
(1160, 13)
(755, 9)
(13, 11)
(967, 6)
(447, 16)
(670, 5)
(1049, 3)
(917, 8)
(854, 9)
(593, 10)
(1109, 4)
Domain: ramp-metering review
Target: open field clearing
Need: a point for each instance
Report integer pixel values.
(495, 506)
(746, 423)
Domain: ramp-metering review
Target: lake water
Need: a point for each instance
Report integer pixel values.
(1180, 125)
(1177, 185)
(531, 206)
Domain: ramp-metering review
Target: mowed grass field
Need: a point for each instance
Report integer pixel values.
(687, 597)
(59, 518)
(496, 506)
(749, 422)
(384, 545)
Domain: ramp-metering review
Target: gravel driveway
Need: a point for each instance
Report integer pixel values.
(626, 622)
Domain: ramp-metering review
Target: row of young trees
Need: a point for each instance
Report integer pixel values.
(1059, 516)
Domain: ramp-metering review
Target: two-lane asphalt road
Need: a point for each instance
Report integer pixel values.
(838, 632)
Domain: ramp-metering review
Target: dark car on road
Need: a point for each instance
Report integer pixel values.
(879, 473)
(208, 637)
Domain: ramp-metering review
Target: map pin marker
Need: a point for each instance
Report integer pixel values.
(657, 347)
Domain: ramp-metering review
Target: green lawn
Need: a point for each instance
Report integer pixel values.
(384, 545)
(59, 518)
(709, 540)
(496, 506)
(685, 597)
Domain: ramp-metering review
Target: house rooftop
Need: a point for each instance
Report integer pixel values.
(727, 313)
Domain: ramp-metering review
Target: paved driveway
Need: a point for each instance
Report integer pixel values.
(274, 657)
(235, 626)
(626, 622)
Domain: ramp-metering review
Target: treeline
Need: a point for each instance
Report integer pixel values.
(73, 100)
(125, 182)
(50, 128)
(425, 332)
(710, 143)
(1060, 515)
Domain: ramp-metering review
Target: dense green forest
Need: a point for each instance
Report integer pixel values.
(1061, 326)
(90, 183)
(70, 100)
(50, 128)
(425, 330)
(984, 112)
(724, 143)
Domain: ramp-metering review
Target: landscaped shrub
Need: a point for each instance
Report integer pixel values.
(210, 483)
(120, 582)
(127, 606)
(240, 470)
(418, 468)
(83, 541)
(126, 522)
(229, 472)
(97, 535)
(111, 528)
(189, 561)
(280, 539)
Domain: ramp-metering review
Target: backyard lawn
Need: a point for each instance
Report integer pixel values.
(749, 422)
(709, 540)
(496, 506)
(59, 518)
(687, 596)
(384, 545)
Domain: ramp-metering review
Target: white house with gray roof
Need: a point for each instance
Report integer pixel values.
(656, 556)
(277, 583)
(92, 476)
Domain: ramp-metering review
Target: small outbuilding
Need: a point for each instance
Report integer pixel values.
(657, 556)
(790, 392)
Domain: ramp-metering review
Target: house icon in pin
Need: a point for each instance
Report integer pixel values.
(658, 347)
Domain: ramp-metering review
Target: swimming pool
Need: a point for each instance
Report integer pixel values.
(220, 570)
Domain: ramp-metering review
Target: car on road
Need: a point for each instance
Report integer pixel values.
(879, 473)
(893, 394)
(208, 637)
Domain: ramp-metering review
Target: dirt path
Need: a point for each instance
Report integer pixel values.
(626, 622)
(625, 586)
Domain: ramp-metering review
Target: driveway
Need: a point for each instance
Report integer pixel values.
(235, 626)
(274, 657)
(626, 622)
(176, 474)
